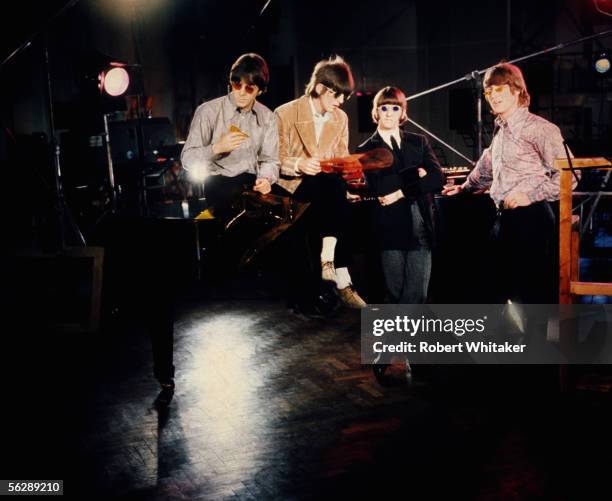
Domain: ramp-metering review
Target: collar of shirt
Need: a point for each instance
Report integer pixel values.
(230, 109)
(387, 134)
(515, 122)
(318, 117)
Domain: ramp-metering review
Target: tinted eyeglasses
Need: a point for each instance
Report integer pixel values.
(238, 85)
(338, 95)
(386, 107)
(494, 89)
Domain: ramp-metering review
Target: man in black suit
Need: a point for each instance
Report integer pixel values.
(402, 220)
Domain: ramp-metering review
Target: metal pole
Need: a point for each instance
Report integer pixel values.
(439, 140)
(109, 163)
(31, 38)
(471, 76)
(62, 212)
(508, 27)
(479, 125)
(518, 59)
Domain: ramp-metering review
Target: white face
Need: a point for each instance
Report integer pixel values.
(389, 116)
(244, 94)
(328, 100)
(502, 99)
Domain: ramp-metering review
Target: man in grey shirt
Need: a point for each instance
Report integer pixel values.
(233, 139)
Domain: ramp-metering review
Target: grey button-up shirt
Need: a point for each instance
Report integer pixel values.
(257, 155)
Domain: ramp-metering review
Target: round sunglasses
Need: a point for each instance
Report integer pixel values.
(238, 85)
(385, 108)
(497, 89)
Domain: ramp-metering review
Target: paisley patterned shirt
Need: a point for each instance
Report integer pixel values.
(520, 159)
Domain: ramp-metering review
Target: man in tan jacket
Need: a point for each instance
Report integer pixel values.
(311, 128)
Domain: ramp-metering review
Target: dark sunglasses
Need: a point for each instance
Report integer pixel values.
(238, 85)
(337, 94)
(385, 108)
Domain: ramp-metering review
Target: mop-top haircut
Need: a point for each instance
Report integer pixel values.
(252, 69)
(392, 96)
(334, 73)
(506, 73)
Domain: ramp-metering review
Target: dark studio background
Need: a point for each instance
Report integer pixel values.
(182, 51)
(185, 48)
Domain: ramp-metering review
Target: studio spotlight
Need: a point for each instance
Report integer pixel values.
(114, 81)
(601, 62)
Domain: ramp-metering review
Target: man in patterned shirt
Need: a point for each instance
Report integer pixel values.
(518, 171)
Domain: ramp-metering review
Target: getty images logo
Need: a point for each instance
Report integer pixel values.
(413, 326)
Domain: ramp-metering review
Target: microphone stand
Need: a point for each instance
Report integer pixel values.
(476, 76)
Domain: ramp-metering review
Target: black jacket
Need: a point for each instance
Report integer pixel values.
(392, 224)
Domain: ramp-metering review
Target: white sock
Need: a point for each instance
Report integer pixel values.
(328, 249)
(343, 279)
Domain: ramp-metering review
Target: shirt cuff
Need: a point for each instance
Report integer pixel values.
(267, 172)
(467, 187)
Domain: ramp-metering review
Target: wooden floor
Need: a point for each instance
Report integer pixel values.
(273, 405)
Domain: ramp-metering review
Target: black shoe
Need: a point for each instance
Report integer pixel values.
(166, 394)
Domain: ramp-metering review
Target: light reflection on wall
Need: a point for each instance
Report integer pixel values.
(125, 9)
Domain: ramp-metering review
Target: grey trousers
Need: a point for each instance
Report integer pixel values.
(407, 272)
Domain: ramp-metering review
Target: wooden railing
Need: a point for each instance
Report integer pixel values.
(569, 234)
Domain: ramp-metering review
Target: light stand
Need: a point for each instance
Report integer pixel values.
(62, 212)
(105, 93)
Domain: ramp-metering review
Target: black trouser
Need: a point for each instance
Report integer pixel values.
(330, 209)
(157, 297)
(160, 323)
(222, 191)
(528, 250)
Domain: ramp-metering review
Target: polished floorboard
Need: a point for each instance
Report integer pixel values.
(270, 404)
(274, 405)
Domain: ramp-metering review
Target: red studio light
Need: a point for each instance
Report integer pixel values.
(114, 81)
